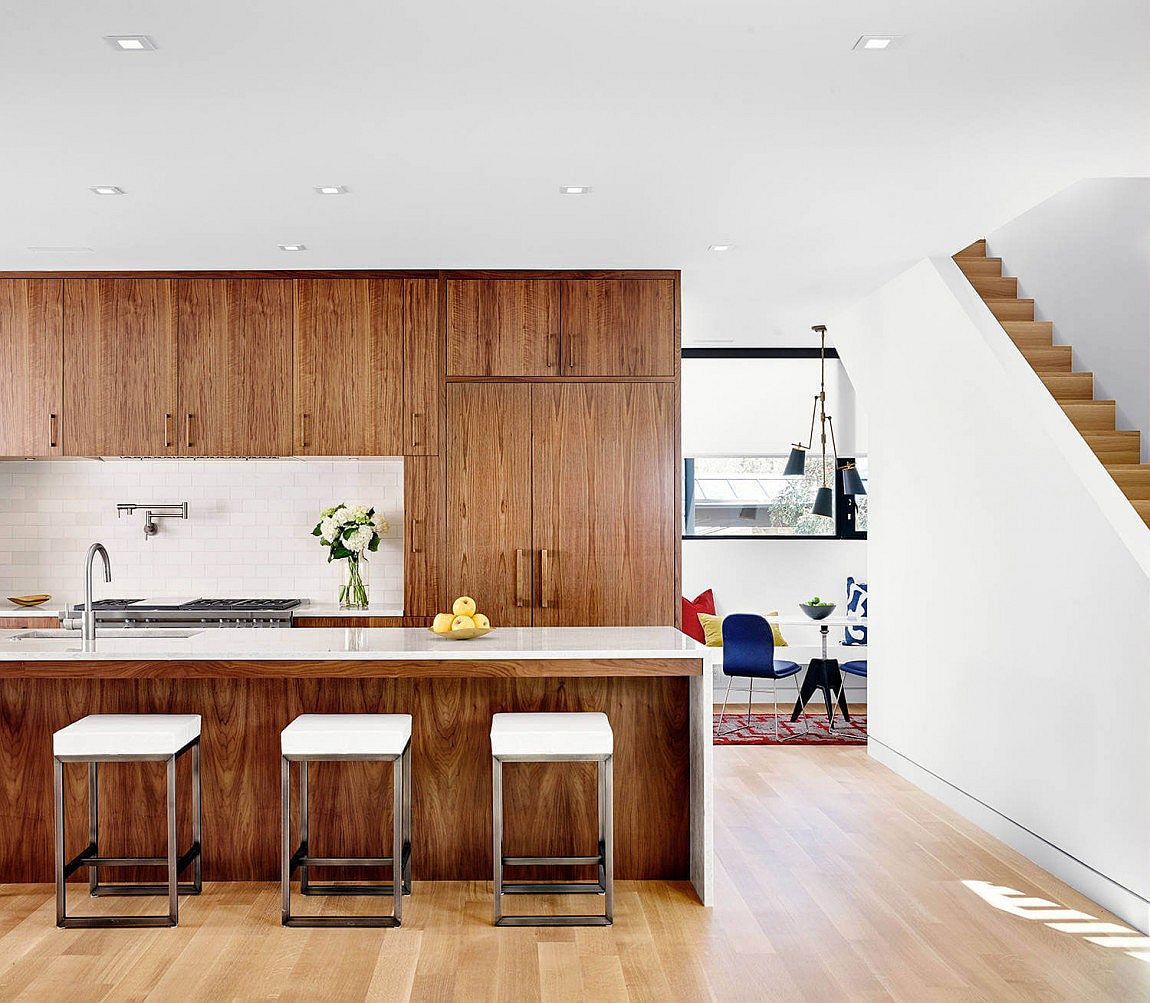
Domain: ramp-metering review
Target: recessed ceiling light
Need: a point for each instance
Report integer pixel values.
(130, 43)
(331, 190)
(719, 247)
(575, 189)
(877, 41)
(107, 190)
(293, 247)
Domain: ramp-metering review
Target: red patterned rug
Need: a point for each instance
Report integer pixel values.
(761, 730)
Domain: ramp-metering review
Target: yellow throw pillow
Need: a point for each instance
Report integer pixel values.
(713, 630)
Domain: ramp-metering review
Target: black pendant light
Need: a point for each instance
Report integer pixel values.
(796, 462)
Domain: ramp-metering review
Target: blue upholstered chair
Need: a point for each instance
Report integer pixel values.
(749, 653)
(854, 668)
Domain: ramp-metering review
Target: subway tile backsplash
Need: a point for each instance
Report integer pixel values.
(247, 533)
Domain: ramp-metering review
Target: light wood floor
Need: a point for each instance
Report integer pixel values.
(838, 880)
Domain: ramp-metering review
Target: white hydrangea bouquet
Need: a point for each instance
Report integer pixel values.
(351, 532)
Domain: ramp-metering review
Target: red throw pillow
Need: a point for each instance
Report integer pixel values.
(704, 602)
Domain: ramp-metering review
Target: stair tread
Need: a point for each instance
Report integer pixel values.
(975, 250)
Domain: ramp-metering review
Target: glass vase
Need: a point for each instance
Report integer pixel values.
(353, 590)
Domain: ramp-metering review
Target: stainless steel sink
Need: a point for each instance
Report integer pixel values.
(143, 633)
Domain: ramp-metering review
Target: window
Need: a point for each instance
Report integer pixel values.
(748, 496)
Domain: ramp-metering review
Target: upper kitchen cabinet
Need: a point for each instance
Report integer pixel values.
(503, 327)
(31, 361)
(422, 367)
(235, 366)
(349, 367)
(120, 395)
(620, 327)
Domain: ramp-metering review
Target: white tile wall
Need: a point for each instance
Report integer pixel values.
(247, 534)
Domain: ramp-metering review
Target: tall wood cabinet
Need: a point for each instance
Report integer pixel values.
(120, 392)
(31, 361)
(567, 514)
(235, 366)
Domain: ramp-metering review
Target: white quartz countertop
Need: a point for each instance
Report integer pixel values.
(49, 611)
(359, 643)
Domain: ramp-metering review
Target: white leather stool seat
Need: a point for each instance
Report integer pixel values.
(585, 733)
(126, 735)
(346, 735)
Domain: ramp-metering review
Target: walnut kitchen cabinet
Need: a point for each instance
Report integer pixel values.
(235, 366)
(31, 366)
(623, 328)
(349, 367)
(422, 367)
(503, 327)
(120, 386)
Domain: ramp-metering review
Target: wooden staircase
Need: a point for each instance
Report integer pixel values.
(1119, 451)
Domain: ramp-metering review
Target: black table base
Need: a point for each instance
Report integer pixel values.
(822, 674)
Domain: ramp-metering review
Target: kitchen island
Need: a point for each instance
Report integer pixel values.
(249, 684)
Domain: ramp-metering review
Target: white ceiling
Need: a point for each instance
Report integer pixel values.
(454, 123)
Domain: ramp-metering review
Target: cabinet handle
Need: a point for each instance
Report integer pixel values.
(416, 547)
(545, 599)
(570, 351)
(414, 437)
(303, 430)
(520, 594)
(558, 351)
(52, 428)
(167, 431)
(188, 430)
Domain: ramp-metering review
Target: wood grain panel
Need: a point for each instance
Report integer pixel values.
(489, 498)
(422, 367)
(31, 366)
(620, 327)
(503, 327)
(349, 367)
(235, 366)
(605, 524)
(549, 809)
(424, 588)
(28, 623)
(120, 391)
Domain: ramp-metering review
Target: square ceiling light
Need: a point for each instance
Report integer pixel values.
(130, 43)
(331, 190)
(575, 189)
(293, 247)
(877, 43)
(107, 190)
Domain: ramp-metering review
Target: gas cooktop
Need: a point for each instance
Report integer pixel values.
(198, 605)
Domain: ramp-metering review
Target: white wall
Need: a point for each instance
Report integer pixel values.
(1084, 256)
(1009, 618)
(247, 533)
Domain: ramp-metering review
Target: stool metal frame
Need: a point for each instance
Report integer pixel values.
(302, 858)
(90, 856)
(604, 859)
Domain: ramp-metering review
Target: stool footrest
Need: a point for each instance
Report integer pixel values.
(557, 888)
(314, 889)
(559, 861)
(148, 888)
(553, 921)
(341, 921)
(112, 922)
(88, 857)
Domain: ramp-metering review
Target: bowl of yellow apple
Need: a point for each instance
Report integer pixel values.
(463, 623)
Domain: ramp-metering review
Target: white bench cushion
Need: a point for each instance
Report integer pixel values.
(126, 735)
(346, 735)
(587, 733)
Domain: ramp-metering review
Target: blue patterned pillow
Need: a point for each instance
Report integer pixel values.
(856, 606)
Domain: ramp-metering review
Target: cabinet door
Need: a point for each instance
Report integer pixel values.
(119, 368)
(503, 327)
(489, 498)
(619, 327)
(349, 367)
(423, 536)
(422, 367)
(31, 366)
(235, 356)
(605, 476)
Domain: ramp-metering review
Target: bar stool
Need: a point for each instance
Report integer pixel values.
(332, 738)
(549, 738)
(117, 738)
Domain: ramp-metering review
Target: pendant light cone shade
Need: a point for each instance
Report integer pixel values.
(824, 503)
(796, 462)
(852, 483)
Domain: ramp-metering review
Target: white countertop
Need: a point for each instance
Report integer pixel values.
(333, 609)
(360, 643)
(49, 611)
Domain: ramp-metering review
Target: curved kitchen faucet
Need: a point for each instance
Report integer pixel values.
(89, 620)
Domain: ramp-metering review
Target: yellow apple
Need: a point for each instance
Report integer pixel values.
(462, 623)
(482, 621)
(442, 624)
(464, 606)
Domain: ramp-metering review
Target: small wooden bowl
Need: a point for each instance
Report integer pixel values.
(467, 634)
(29, 601)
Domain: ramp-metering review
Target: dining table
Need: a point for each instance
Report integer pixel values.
(822, 673)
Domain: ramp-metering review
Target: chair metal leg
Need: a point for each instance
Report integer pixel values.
(173, 848)
(497, 834)
(397, 832)
(304, 835)
(93, 825)
(407, 821)
(750, 694)
(723, 712)
(197, 819)
(799, 697)
(58, 807)
(608, 770)
(285, 840)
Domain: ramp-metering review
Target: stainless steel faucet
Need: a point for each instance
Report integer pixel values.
(89, 620)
